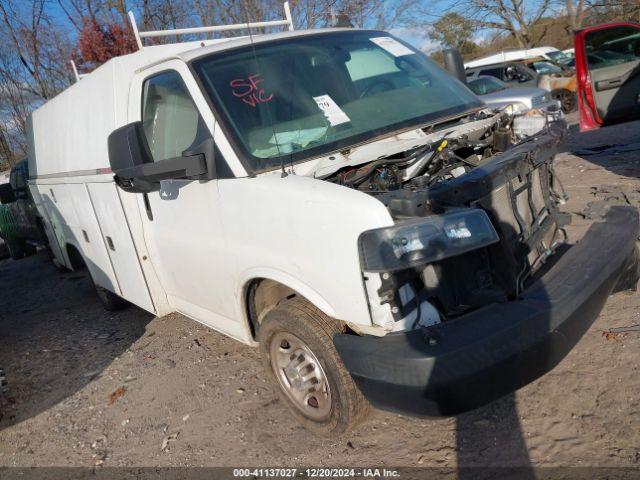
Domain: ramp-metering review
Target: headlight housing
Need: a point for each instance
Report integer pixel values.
(419, 242)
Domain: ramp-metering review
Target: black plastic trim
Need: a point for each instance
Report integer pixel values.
(463, 364)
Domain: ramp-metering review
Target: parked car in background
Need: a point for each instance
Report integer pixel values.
(547, 67)
(608, 71)
(601, 58)
(496, 93)
(548, 53)
(568, 58)
(21, 226)
(534, 72)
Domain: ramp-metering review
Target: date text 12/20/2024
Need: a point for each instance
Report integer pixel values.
(315, 473)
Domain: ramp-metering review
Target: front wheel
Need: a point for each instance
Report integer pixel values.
(296, 341)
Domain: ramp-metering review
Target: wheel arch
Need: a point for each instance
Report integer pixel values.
(262, 292)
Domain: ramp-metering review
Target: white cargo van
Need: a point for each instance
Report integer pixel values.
(335, 198)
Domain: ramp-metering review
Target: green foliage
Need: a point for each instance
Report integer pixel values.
(454, 31)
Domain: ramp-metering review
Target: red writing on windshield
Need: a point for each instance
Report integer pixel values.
(249, 91)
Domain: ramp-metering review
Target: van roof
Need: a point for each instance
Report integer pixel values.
(187, 51)
(237, 42)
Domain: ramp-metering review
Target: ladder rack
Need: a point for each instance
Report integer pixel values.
(288, 22)
(76, 75)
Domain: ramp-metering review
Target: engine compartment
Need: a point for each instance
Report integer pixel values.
(448, 157)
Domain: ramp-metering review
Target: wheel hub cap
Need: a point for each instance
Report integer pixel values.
(300, 376)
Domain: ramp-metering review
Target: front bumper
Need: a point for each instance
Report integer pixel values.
(465, 363)
(552, 106)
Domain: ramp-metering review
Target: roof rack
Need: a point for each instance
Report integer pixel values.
(288, 22)
(76, 75)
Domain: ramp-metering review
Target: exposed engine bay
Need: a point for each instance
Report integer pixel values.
(449, 157)
(494, 168)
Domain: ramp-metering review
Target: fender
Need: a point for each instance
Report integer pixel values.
(284, 278)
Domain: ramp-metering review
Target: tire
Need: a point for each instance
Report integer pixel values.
(29, 248)
(333, 404)
(109, 300)
(568, 100)
(16, 252)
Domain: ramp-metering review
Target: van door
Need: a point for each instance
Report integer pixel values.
(182, 225)
(608, 67)
(119, 245)
(73, 220)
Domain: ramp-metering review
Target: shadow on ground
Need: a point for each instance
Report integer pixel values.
(492, 436)
(64, 325)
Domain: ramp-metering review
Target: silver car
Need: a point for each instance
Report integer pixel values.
(496, 93)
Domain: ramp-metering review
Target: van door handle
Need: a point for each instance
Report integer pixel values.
(147, 206)
(110, 244)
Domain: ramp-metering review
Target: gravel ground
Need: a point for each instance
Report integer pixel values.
(93, 388)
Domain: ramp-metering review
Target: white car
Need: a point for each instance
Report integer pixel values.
(335, 198)
(550, 53)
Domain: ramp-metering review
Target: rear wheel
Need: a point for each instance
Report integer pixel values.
(305, 368)
(110, 301)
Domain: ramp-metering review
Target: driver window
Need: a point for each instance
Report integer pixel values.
(169, 116)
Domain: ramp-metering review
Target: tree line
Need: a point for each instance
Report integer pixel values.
(477, 27)
(39, 38)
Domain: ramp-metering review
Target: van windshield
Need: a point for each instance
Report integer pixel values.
(293, 99)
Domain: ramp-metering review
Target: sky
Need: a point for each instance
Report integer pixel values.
(416, 36)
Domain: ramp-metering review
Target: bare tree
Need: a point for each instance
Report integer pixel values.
(600, 11)
(34, 54)
(576, 10)
(516, 18)
(39, 37)
(382, 14)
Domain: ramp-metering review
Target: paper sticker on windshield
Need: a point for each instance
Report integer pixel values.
(392, 46)
(332, 112)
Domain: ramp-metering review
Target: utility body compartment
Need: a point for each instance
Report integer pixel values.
(90, 217)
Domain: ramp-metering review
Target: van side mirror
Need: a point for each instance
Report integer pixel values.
(136, 172)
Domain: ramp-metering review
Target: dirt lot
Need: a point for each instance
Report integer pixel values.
(88, 387)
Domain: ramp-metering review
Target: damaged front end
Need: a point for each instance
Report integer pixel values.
(475, 285)
(425, 273)
(519, 193)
